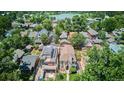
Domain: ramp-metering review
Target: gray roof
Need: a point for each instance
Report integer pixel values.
(29, 46)
(49, 51)
(92, 32)
(33, 25)
(65, 41)
(29, 60)
(52, 36)
(46, 67)
(43, 31)
(19, 53)
(110, 40)
(97, 41)
(32, 34)
(107, 35)
(63, 35)
(85, 34)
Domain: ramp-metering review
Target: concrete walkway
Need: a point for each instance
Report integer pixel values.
(67, 72)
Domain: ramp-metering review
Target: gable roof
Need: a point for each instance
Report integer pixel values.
(49, 51)
(97, 41)
(110, 40)
(29, 60)
(108, 35)
(32, 34)
(29, 46)
(19, 53)
(115, 48)
(67, 53)
(85, 34)
(63, 35)
(64, 41)
(92, 32)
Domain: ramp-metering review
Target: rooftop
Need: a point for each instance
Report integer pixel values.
(30, 60)
(115, 48)
(85, 34)
(92, 32)
(63, 35)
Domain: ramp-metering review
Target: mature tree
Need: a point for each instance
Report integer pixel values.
(102, 35)
(78, 40)
(120, 22)
(38, 27)
(96, 25)
(9, 71)
(79, 23)
(73, 70)
(74, 77)
(58, 30)
(104, 65)
(47, 24)
(122, 35)
(5, 24)
(60, 77)
(44, 39)
(109, 24)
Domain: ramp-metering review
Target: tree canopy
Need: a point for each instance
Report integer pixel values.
(104, 65)
(78, 40)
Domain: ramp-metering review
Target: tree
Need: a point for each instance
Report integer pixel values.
(79, 23)
(107, 66)
(73, 70)
(122, 35)
(60, 77)
(96, 25)
(58, 30)
(120, 22)
(74, 77)
(102, 35)
(47, 24)
(5, 24)
(38, 27)
(78, 40)
(44, 39)
(109, 24)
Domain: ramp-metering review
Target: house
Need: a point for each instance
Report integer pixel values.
(85, 34)
(66, 56)
(97, 41)
(35, 51)
(25, 33)
(41, 47)
(15, 24)
(33, 25)
(111, 40)
(107, 35)
(63, 35)
(43, 31)
(32, 34)
(49, 57)
(52, 37)
(115, 48)
(64, 41)
(71, 34)
(25, 25)
(18, 55)
(89, 44)
(92, 33)
(29, 62)
(116, 32)
(29, 47)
